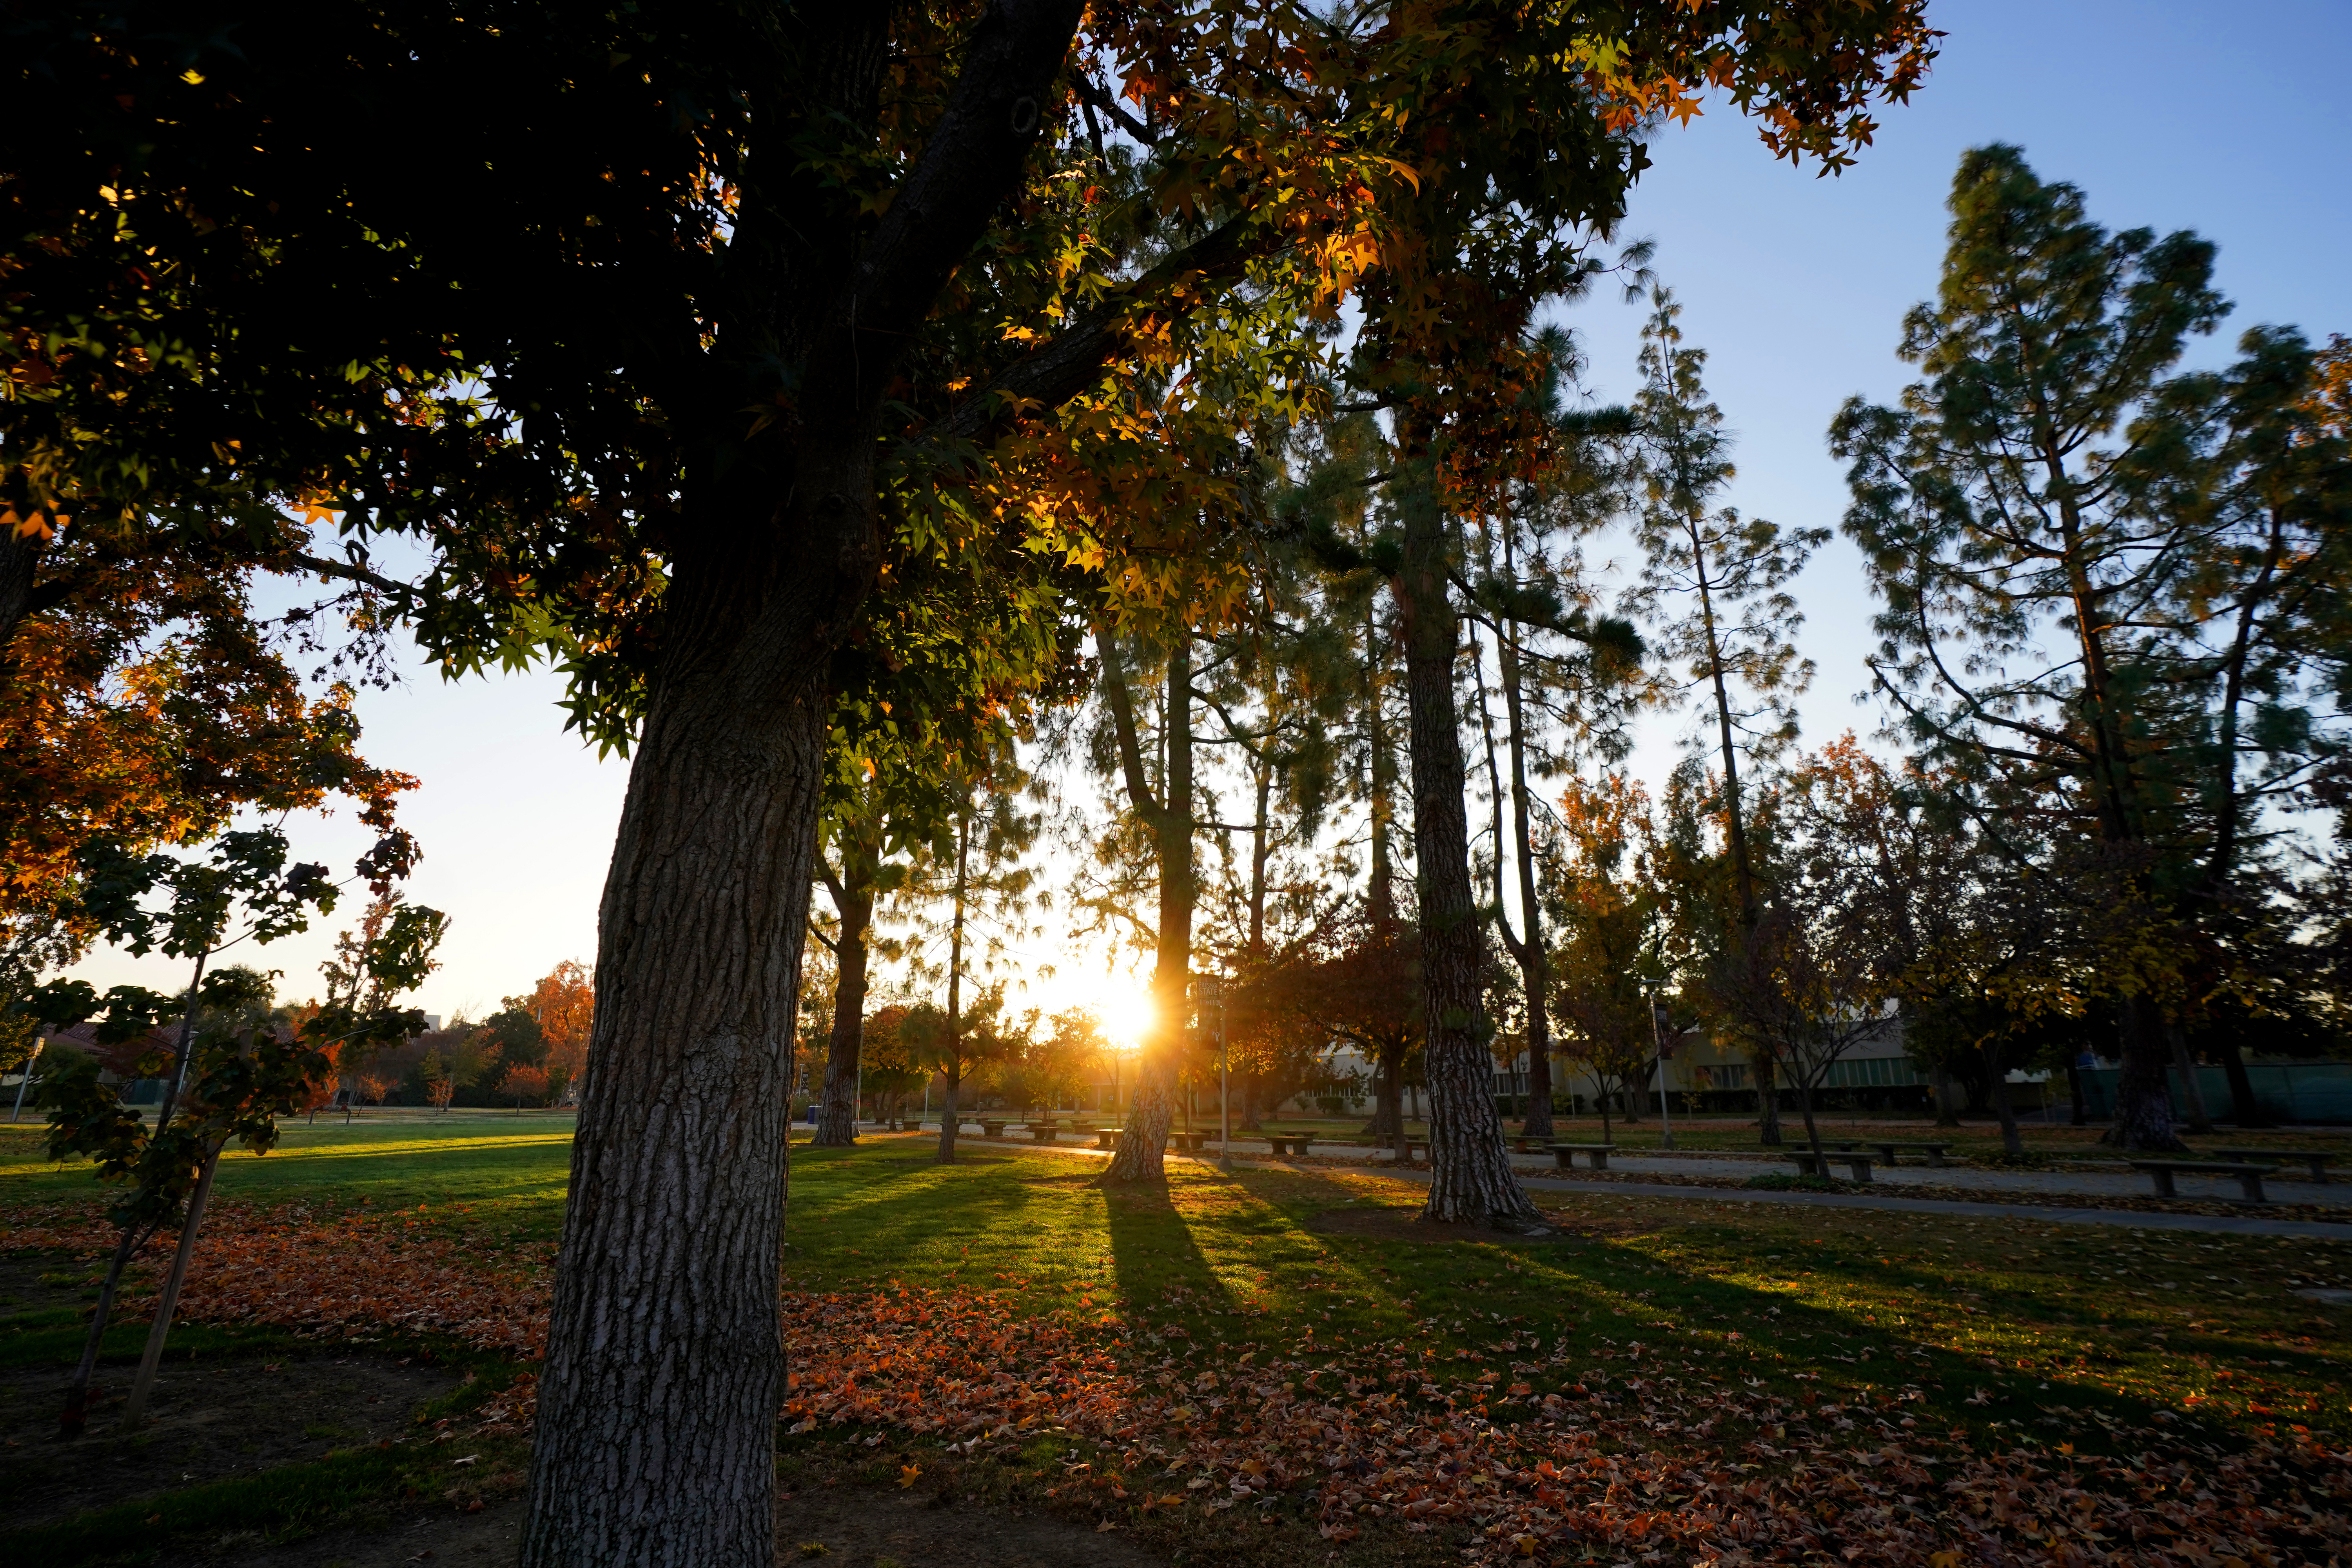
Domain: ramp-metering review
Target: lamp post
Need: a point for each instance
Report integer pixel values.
(25, 1076)
(1652, 977)
(1210, 990)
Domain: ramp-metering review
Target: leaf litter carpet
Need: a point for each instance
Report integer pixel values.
(1534, 1458)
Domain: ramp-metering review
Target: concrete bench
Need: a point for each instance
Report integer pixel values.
(1596, 1154)
(1857, 1166)
(1296, 1143)
(1106, 1137)
(991, 1128)
(1043, 1131)
(2248, 1177)
(1886, 1151)
(2318, 1162)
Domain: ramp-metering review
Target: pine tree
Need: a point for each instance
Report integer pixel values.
(1713, 594)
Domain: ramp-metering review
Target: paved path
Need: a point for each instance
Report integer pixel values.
(1529, 1178)
(2086, 1183)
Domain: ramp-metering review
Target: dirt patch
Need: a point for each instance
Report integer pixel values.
(857, 1527)
(1406, 1224)
(210, 1419)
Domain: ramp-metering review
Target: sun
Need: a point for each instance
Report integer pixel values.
(1121, 1000)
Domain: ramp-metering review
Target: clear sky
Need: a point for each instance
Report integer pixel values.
(2229, 119)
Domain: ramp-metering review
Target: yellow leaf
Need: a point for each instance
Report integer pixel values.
(906, 1474)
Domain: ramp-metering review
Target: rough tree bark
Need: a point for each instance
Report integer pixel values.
(664, 1369)
(1142, 1151)
(1471, 1180)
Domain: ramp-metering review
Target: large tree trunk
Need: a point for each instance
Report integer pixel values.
(2191, 1089)
(2143, 1116)
(665, 1364)
(2244, 1109)
(1143, 1153)
(1471, 1180)
(836, 1121)
(1944, 1093)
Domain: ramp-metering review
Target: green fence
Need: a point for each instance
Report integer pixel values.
(2319, 1092)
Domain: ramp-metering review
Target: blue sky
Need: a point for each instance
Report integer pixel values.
(2231, 120)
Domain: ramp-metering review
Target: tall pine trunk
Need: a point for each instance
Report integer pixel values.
(1471, 1181)
(948, 1128)
(1535, 969)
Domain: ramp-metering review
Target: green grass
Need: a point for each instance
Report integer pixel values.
(2034, 1316)
(511, 1170)
(2020, 1329)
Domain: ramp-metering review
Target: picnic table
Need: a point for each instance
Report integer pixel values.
(1596, 1154)
(1857, 1165)
(2318, 1162)
(1294, 1143)
(2248, 1177)
(1886, 1151)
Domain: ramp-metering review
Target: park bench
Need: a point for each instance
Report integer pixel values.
(1857, 1166)
(1596, 1154)
(990, 1128)
(2248, 1177)
(1043, 1131)
(1295, 1144)
(2318, 1162)
(1106, 1137)
(1886, 1151)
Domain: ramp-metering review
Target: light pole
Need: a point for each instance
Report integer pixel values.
(1224, 1087)
(26, 1076)
(1654, 980)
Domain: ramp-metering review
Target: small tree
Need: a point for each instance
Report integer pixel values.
(232, 1076)
(525, 1085)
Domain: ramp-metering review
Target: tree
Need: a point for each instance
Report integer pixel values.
(1167, 815)
(870, 228)
(1713, 590)
(1520, 596)
(230, 1074)
(1605, 911)
(2049, 476)
(974, 863)
(525, 1084)
(564, 1007)
(855, 872)
(893, 1070)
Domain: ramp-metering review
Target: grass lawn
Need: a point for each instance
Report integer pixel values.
(2038, 1339)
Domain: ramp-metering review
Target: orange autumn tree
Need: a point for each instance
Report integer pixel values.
(563, 1004)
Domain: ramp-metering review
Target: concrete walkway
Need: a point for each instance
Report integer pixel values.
(2253, 1223)
(2124, 1184)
